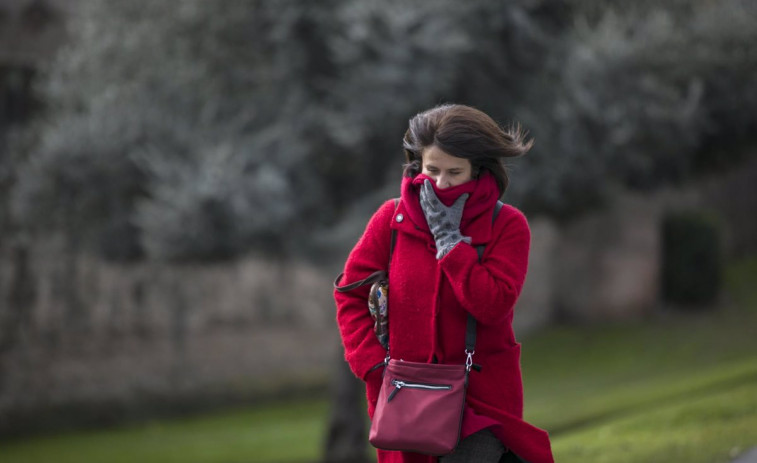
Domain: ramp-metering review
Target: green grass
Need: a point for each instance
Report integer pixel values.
(680, 388)
(286, 432)
(576, 377)
(708, 428)
(741, 278)
(685, 391)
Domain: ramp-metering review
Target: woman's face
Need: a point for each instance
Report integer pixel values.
(445, 169)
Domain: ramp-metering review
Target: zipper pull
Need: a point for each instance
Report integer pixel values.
(397, 386)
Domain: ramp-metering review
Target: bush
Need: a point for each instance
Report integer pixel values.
(201, 130)
(691, 266)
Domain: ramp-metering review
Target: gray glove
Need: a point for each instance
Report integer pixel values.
(443, 221)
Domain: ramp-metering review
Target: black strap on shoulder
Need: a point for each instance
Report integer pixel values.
(470, 330)
(394, 236)
(470, 334)
(480, 247)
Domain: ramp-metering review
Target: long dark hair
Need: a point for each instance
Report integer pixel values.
(464, 132)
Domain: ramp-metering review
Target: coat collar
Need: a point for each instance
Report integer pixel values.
(477, 215)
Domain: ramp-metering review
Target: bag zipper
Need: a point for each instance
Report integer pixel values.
(399, 384)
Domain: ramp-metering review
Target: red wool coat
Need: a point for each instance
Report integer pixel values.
(428, 305)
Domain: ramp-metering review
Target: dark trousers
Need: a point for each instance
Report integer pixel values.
(481, 447)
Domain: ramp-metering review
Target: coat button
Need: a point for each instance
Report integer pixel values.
(400, 217)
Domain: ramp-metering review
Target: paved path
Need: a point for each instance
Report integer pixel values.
(750, 456)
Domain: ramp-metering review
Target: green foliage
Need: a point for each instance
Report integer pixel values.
(691, 259)
(636, 98)
(188, 107)
(79, 181)
(201, 130)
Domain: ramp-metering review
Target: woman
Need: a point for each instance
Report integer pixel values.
(453, 178)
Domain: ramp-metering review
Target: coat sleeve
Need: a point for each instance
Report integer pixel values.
(489, 289)
(362, 349)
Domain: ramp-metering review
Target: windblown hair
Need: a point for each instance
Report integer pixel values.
(464, 132)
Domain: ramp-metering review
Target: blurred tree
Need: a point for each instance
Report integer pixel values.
(177, 128)
(200, 130)
(637, 99)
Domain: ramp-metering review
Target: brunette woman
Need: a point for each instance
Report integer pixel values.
(452, 182)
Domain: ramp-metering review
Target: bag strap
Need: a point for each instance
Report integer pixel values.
(378, 275)
(470, 329)
(393, 239)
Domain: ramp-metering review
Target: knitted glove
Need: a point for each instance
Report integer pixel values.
(443, 221)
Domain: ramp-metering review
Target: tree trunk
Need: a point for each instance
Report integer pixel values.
(346, 441)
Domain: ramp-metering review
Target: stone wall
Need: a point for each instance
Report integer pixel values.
(149, 332)
(606, 265)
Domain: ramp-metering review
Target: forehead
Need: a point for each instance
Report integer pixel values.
(434, 156)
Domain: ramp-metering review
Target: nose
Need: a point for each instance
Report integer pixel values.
(442, 182)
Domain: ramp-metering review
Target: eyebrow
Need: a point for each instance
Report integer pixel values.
(432, 166)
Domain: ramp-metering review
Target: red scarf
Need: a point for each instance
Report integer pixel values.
(483, 195)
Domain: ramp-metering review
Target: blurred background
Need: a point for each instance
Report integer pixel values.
(181, 181)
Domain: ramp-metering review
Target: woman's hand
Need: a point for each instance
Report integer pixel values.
(443, 221)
